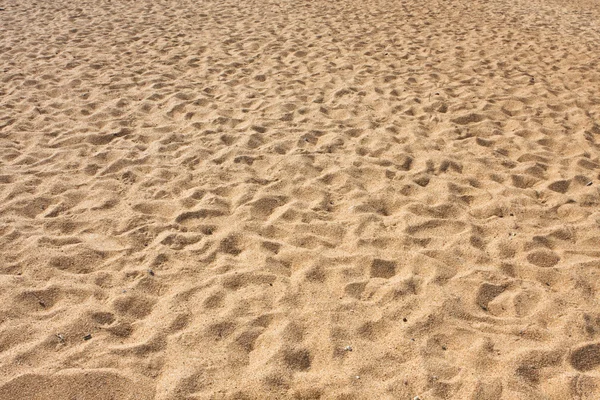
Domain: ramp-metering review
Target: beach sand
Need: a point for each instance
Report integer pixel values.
(299, 199)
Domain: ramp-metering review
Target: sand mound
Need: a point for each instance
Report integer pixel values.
(299, 199)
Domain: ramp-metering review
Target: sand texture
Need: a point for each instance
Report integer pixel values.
(299, 199)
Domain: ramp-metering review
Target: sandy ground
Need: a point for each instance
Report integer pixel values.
(299, 199)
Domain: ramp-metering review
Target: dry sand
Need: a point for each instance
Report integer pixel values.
(299, 199)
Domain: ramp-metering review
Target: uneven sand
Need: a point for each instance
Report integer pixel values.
(299, 199)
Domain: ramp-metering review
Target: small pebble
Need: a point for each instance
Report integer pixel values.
(348, 348)
(87, 337)
(151, 272)
(588, 184)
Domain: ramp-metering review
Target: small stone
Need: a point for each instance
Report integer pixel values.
(589, 183)
(87, 337)
(151, 272)
(348, 348)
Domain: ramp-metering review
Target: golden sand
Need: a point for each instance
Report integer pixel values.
(299, 199)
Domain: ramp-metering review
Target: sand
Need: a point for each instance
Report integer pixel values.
(299, 199)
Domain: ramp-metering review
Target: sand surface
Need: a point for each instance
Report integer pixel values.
(299, 199)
